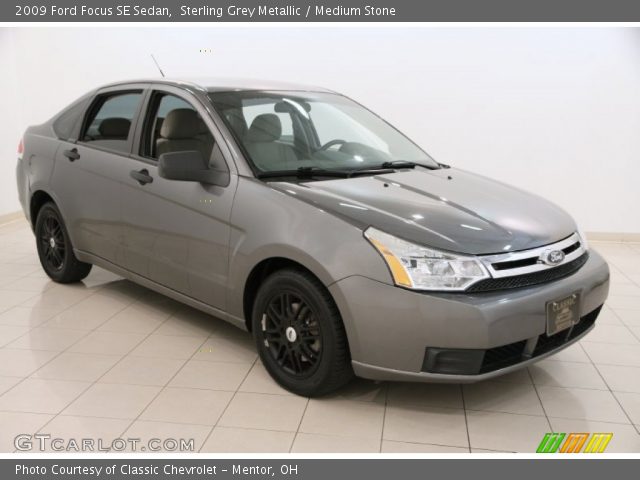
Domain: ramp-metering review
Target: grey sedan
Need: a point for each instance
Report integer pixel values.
(299, 215)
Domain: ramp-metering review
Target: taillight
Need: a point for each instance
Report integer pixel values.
(20, 149)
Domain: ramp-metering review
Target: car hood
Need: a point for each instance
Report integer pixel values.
(447, 209)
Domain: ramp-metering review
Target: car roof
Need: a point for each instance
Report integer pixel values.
(225, 84)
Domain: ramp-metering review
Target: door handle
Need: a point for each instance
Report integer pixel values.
(72, 154)
(141, 176)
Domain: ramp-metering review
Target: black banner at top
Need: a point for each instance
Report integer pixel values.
(320, 11)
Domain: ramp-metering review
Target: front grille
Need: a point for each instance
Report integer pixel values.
(546, 344)
(478, 361)
(528, 261)
(513, 353)
(500, 357)
(525, 262)
(529, 279)
(571, 248)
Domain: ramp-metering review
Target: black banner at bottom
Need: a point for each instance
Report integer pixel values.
(319, 469)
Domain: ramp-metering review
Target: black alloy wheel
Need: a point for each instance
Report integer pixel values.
(52, 242)
(55, 249)
(291, 334)
(299, 334)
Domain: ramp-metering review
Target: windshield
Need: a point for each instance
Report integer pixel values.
(289, 131)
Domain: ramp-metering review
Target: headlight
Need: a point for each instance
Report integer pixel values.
(421, 268)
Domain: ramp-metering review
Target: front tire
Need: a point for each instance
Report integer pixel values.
(300, 335)
(54, 247)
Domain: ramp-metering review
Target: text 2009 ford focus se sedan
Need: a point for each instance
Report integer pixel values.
(301, 216)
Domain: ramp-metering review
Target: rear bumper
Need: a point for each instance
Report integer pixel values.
(390, 329)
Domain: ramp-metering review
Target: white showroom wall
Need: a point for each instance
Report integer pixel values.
(552, 110)
(10, 123)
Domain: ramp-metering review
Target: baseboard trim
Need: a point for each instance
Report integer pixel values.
(10, 217)
(613, 237)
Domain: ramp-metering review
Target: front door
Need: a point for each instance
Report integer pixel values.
(177, 232)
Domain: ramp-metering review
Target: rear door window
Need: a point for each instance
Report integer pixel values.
(109, 123)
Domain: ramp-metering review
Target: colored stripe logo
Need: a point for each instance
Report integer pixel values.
(598, 442)
(574, 442)
(550, 442)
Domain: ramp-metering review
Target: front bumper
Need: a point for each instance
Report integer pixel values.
(390, 329)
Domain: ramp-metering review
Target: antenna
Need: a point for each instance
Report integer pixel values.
(157, 65)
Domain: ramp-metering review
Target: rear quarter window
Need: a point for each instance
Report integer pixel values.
(66, 122)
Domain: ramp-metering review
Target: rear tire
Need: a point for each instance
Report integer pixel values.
(55, 249)
(300, 335)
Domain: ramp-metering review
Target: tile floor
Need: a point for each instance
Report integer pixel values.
(107, 358)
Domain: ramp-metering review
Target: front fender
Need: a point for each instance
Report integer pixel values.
(267, 224)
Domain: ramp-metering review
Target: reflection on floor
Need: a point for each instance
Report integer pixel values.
(108, 359)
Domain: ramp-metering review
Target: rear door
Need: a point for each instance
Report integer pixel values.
(176, 232)
(90, 170)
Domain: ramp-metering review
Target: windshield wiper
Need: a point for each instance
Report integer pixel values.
(406, 164)
(312, 172)
(305, 172)
(387, 167)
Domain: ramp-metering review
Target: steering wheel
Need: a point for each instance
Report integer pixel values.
(331, 143)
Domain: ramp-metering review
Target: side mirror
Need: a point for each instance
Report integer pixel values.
(190, 166)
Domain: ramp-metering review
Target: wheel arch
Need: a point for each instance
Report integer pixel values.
(260, 272)
(40, 195)
(38, 199)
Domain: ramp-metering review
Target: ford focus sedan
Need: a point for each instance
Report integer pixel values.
(299, 215)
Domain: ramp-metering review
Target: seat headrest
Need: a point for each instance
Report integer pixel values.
(180, 123)
(237, 122)
(265, 128)
(115, 128)
(202, 127)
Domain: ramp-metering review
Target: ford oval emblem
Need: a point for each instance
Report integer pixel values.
(552, 257)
